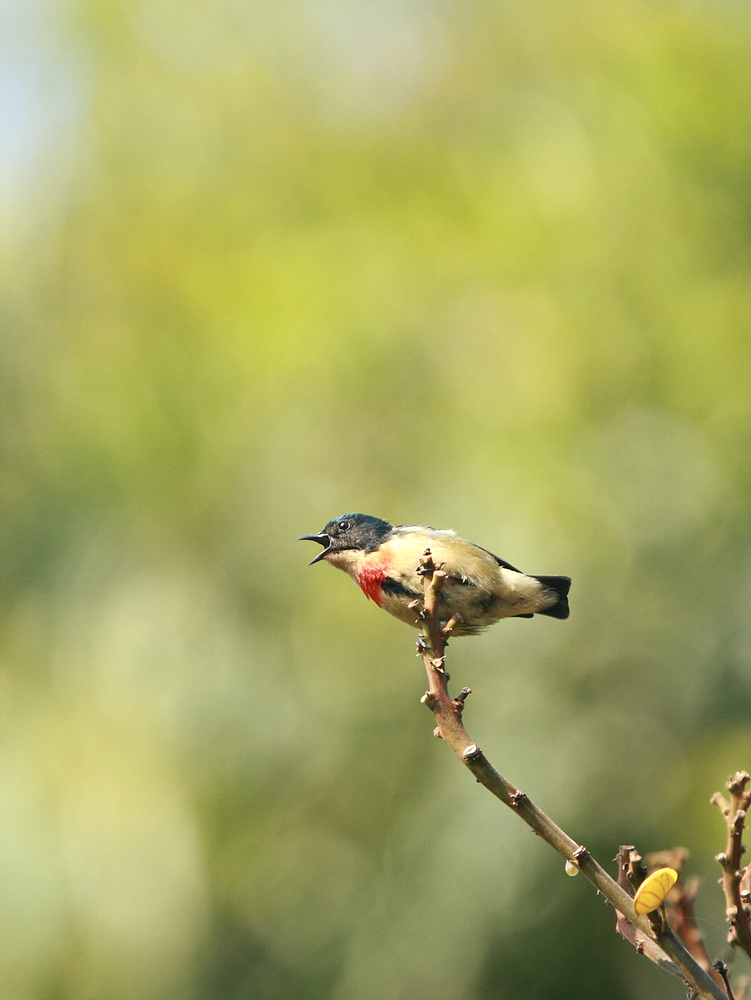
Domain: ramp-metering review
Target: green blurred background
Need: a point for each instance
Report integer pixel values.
(481, 265)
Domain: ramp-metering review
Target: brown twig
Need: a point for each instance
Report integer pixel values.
(631, 874)
(680, 906)
(736, 881)
(682, 899)
(663, 948)
(722, 971)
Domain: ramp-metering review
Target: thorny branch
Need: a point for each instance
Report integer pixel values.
(631, 873)
(736, 880)
(660, 945)
(680, 902)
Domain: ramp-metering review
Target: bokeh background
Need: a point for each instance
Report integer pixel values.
(475, 264)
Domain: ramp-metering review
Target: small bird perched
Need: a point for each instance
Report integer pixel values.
(480, 588)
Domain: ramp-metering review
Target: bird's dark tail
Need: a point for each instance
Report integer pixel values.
(561, 585)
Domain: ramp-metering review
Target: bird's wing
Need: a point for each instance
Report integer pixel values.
(501, 562)
(444, 537)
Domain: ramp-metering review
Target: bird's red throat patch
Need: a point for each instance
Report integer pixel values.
(370, 578)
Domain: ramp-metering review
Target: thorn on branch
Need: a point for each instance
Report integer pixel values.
(451, 624)
(461, 698)
(421, 613)
(721, 802)
(745, 884)
(631, 865)
(722, 970)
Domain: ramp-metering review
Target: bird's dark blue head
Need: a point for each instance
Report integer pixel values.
(350, 531)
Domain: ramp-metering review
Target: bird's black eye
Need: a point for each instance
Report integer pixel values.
(343, 526)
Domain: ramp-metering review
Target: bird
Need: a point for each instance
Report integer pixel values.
(480, 588)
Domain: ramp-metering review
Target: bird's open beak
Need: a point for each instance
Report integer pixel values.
(322, 539)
